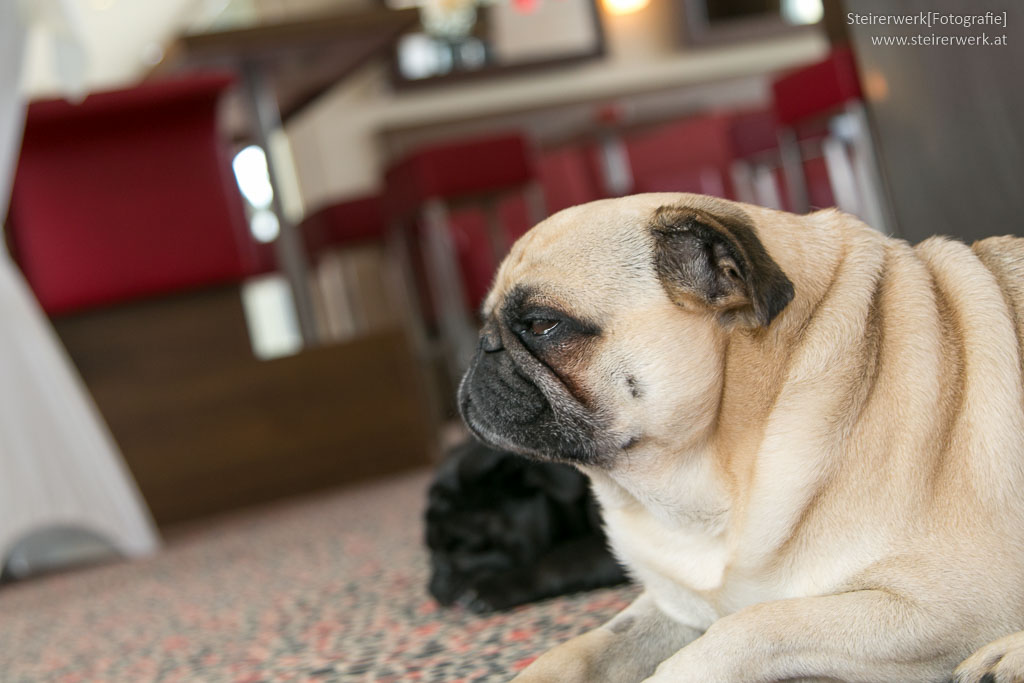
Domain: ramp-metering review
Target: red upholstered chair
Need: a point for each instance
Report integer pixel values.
(690, 155)
(354, 221)
(825, 140)
(570, 175)
(346, 244)
(127, 195)
(443, 200)
(567, 176)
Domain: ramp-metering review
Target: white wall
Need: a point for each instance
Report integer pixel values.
(122, 38)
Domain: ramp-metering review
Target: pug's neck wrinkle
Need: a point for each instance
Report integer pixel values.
(799, 445)
(757, 362)
(685, 491)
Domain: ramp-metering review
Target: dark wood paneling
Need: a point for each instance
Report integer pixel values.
(206, 427)
(948, 119)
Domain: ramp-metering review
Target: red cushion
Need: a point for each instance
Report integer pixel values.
(569, 176)
(128, 195)
(458, 169)
(816, 89)
(473, 249)
(753, 133)
(691, 155)
(350, 222)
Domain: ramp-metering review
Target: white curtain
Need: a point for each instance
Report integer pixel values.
(59, 467)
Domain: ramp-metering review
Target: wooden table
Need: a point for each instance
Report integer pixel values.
(284, 67)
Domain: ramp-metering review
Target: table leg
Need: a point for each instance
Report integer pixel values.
(402, 281)
(793, 171)
(291, 255)
(458, 332)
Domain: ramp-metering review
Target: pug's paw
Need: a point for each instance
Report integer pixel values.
(1001, 661)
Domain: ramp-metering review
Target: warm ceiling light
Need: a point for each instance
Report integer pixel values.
(624, 6)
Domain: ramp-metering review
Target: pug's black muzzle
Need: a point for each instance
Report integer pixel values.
(505, 408)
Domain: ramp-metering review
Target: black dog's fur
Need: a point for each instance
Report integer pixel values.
(503, 531)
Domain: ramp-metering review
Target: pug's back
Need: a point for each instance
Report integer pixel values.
(1004, 256)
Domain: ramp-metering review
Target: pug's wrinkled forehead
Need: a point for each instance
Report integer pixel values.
(594, 246)
(590, 258)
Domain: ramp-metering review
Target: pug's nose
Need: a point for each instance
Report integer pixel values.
(490, 338)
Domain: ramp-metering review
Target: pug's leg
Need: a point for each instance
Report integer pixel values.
(860, 636)
(626, 649)
(1001, 661)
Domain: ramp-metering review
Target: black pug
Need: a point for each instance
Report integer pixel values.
(503, 531)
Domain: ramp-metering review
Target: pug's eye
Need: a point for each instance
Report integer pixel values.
(539, 328)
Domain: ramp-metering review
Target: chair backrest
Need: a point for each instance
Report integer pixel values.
(570, 175)
(128, 195)
(806, 102)
(753, 133)
(355, 221)
(817, 89)
(690, 155)
(457, 170)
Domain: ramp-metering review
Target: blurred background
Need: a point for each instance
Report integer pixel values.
(254, 234)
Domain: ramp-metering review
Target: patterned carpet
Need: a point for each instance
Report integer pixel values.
(328, 588)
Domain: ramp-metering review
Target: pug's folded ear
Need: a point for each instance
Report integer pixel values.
(717, 260)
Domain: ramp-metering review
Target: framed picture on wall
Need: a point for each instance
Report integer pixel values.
(708, 22)
(465, 39)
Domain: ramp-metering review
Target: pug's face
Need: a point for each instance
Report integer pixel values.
(606, 328)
